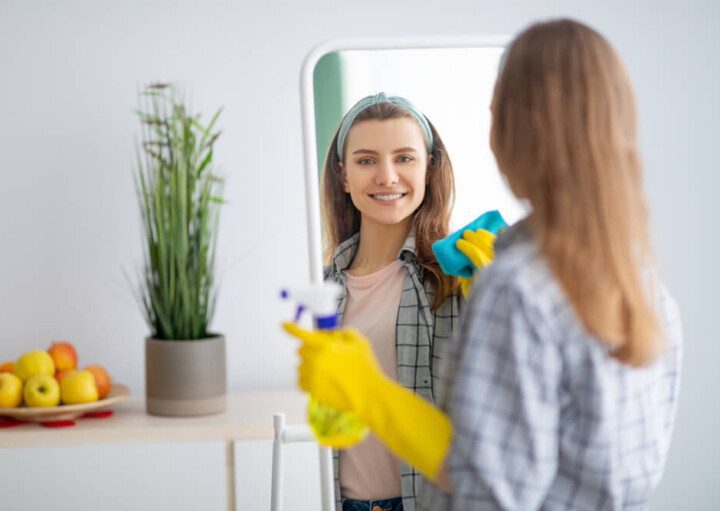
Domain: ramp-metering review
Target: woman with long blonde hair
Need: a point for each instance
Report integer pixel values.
(562, 388)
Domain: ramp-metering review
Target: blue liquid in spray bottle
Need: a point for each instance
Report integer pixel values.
(331, 427)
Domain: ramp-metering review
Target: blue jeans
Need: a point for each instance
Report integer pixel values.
(394, 504)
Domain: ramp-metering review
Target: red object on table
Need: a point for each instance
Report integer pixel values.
(97, 415)
(9, 422)
(57, 424)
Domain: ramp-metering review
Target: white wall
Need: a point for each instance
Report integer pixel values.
(68, 220)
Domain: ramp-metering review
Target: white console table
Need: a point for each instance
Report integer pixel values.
(249, 416)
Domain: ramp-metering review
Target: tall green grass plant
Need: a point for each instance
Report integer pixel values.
(180, 196)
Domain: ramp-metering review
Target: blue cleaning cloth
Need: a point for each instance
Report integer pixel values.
(454, 262)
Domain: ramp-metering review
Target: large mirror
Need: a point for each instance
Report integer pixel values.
(449, 80)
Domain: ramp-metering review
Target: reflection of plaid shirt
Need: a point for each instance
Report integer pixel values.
(419, 335)
(543, 416)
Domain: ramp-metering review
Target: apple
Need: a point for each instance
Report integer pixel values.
(102, 379)
(62, 374)
(32, 363)
(78, 387)
(11, 390)
(41, 390)
(7, 367)
(64, 355)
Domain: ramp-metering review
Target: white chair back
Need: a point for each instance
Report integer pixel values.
(285, 434)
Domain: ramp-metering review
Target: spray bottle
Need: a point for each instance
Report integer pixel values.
(331, 427)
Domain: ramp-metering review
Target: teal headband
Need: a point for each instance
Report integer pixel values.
(369, 101)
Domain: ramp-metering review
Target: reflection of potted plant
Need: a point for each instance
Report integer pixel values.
(179, 197)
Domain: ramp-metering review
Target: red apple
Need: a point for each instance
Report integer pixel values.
(102, 380)
(64, 355)
(7, 367)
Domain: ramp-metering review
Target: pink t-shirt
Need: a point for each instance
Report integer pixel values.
(369, 470)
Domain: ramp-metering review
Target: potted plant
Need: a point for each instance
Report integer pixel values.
(179, 196)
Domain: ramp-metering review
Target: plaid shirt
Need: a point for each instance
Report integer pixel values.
(543, 416)
(420, 334)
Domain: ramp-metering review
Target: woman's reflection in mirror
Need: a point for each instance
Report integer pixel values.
(387, 195)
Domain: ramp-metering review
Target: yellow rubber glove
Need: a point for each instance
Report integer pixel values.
(478, 247)
(465, 284)
(339, 369)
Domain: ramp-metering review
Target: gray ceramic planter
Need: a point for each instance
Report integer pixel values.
(185, 378)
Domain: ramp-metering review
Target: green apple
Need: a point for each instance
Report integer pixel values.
(42, 390)
(32, 363)
(78, 387)
(11, 390)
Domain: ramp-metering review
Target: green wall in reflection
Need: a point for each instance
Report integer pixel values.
(329, 102)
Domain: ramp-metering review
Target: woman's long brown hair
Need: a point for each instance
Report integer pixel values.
(564, 135)
(341, 219)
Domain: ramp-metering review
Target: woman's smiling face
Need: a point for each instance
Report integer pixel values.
(385, 169)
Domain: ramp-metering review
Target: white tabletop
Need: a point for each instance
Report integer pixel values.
(249, 415)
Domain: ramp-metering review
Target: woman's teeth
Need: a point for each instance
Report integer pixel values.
(388, 196)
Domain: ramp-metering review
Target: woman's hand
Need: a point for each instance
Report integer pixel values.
(478, 247)
(337, 367)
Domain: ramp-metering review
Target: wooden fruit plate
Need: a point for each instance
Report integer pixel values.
(117, 393)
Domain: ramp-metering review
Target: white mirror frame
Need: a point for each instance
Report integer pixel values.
(307, 93)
